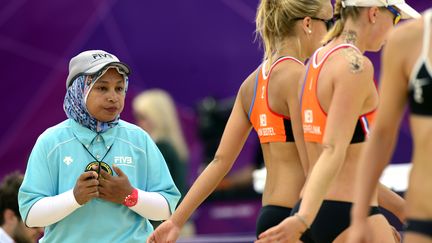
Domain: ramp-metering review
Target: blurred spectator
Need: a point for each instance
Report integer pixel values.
(155, 112)
(12, 227)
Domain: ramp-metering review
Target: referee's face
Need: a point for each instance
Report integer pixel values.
(106, 98)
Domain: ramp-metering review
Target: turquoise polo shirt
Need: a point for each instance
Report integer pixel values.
(59, 158)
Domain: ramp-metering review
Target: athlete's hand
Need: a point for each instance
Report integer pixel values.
(86, 187)
(167, 232)
(359, 232)
(114, 188)
(287, 231)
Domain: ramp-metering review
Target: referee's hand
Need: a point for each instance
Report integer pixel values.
(86, 187)
(114, 188)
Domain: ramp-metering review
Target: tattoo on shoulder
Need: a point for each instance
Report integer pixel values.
(355, 60)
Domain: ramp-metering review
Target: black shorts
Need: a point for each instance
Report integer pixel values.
(423, 227)
(270, 216)
(332, 219)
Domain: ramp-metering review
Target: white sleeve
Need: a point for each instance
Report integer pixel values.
(50, 210)
(152, 205)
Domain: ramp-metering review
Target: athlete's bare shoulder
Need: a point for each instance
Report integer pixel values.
(356, 61)
(350, 63)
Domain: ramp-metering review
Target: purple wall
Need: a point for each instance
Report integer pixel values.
(191, 48)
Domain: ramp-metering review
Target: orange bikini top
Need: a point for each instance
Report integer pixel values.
(269, 125)
(313, 116)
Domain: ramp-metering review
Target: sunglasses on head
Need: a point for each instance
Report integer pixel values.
(396, 13)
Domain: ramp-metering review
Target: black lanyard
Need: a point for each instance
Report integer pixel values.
(88, 151)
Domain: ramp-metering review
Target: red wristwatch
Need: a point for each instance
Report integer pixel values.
(131, 199)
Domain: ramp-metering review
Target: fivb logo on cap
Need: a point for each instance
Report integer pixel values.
(102, 55)
(90, 62)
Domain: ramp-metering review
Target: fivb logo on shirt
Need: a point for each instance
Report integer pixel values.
(124, 161)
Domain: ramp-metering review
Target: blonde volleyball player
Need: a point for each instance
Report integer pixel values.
(406, 79)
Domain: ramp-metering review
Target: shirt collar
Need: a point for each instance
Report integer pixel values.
(87, 136)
